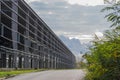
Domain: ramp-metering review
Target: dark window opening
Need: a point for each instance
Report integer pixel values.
(6, 10)
(20, 38)
(31, 29)
(38, 39)
(49, 41)
(45, 33)
(33, 45)
(21, 21)
(46, 29)
(32, 15)
(39, 28)
(21, 30)
(5, 42)
(20, 47)
(7, 33)
(5, 20)
(39, 34)
(45, 38)
(31, 35)
(0, 29)
(44, 43)
(9, 3)
(49, 36)
(20, 62)
(22, 5)
(31, 22)
(31, 50)
(20, 12)
(3, 61)
(40, 23)
(41, 48)
(10, 61)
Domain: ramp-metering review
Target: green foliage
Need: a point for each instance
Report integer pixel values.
(114, 16)
(16, 72)
(81, 65)
(104, 58)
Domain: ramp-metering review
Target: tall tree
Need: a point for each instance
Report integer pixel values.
(114, 15)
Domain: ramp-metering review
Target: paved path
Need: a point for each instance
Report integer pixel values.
(52, 75)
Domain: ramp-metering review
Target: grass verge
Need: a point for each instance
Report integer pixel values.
(7, 74)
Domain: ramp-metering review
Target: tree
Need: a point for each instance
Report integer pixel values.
(109, 1)
(114, 16)
(104, 57)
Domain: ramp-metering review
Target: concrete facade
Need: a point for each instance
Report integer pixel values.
(27, 42)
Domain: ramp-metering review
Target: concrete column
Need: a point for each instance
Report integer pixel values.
(14, 34)
(52, 62)
(26, 63)
(38, 60)
(12, 57)
(7, 60)
(23, 59)
(44, 59)
(26, 59)
(17, 61)
(55, 62)
(48, 60)
(36, 33)
(29, 63)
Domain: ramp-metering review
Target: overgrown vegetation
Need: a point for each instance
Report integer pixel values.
(104, 57)
(81, 65)
(7, 73)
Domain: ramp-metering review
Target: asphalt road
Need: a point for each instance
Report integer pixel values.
(52, 75)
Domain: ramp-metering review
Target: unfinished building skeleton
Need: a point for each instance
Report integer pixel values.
(27, 42)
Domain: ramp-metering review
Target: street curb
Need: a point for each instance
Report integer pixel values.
(2, 78)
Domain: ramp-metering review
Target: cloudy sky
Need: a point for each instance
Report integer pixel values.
(72, 18)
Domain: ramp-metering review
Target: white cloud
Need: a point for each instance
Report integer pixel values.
(66, 7)
(72, 2)
(81, 37)
(99, 34)
(29, 1)
(76, 35)
(86, 2)
(74, 21)
(50, 12)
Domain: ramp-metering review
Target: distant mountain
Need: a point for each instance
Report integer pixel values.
(74, 45)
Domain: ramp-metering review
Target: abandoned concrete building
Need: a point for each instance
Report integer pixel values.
(27, 42)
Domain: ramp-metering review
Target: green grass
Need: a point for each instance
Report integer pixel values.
(16, 72)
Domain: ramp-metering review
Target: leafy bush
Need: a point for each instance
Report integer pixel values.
(104, 58)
